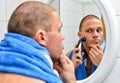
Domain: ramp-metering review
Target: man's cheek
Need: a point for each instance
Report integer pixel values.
(88, 37)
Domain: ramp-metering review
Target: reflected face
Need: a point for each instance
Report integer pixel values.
(55, 38)
(92, 29)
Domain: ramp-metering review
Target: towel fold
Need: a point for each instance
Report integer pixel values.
(20, 54)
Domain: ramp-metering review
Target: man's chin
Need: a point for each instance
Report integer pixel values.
(55, 59)
(97, 44)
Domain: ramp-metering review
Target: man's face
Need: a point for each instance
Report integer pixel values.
(92, 29)
(55, 38)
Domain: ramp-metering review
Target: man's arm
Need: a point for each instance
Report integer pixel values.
(15, 78)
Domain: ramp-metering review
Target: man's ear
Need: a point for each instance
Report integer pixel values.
(79, 34)
(40, 37)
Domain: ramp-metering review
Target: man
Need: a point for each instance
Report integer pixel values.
(90, 55)
(33, 45)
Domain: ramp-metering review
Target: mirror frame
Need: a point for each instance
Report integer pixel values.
(112, 43)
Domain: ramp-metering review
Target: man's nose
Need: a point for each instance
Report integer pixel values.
(95, 33)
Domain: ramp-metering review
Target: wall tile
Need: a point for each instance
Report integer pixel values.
(68, 47)
(70, 5)
(3, 29)
(91, 9)
(70, 36)
(116, 6)
(11, 6)
(3, 10)
(56, 5)
(114, 76)
(70, 18)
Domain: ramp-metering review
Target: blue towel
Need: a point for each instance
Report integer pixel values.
(22, 55)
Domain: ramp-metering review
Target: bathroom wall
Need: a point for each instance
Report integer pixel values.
(71, 12)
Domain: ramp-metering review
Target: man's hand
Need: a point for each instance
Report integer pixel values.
(77, 57)
(95, 54)
(65, 69)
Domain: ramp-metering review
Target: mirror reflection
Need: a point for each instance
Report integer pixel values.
(81, 18)
(88, 55)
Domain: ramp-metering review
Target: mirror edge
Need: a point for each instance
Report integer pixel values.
(112, 43)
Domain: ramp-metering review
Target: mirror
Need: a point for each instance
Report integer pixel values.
(112, 32)
(71, 21)
(71, 13)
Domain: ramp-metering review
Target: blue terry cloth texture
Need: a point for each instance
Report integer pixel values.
(22, 55)
(80, 71)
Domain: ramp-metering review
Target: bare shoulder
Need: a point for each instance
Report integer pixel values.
(15, 78)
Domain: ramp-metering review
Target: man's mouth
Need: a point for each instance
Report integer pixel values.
(96, 41)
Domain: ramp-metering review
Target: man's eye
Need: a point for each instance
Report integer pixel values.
(99, 30)
(89, 31)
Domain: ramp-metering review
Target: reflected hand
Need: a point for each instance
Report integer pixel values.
(95, 54)
(76, 57)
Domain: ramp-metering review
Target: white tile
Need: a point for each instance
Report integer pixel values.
(91, 9)
(116, 6)
(68, 47)
(119, 53)
(3, 10)
(70, 33)
(70, 18)
(114, 76)
(56, 5)
(71, 37)
(70, 5)
(11, 6)
(3, 29)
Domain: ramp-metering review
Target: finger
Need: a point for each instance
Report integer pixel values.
(57, 66)
(78, 61)
(93, 58)
(64, 61)
(76, 45)
(98, 53)
(95, 53)
(76, 50)
(91, 55)
(78, 56)
(97, 48)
